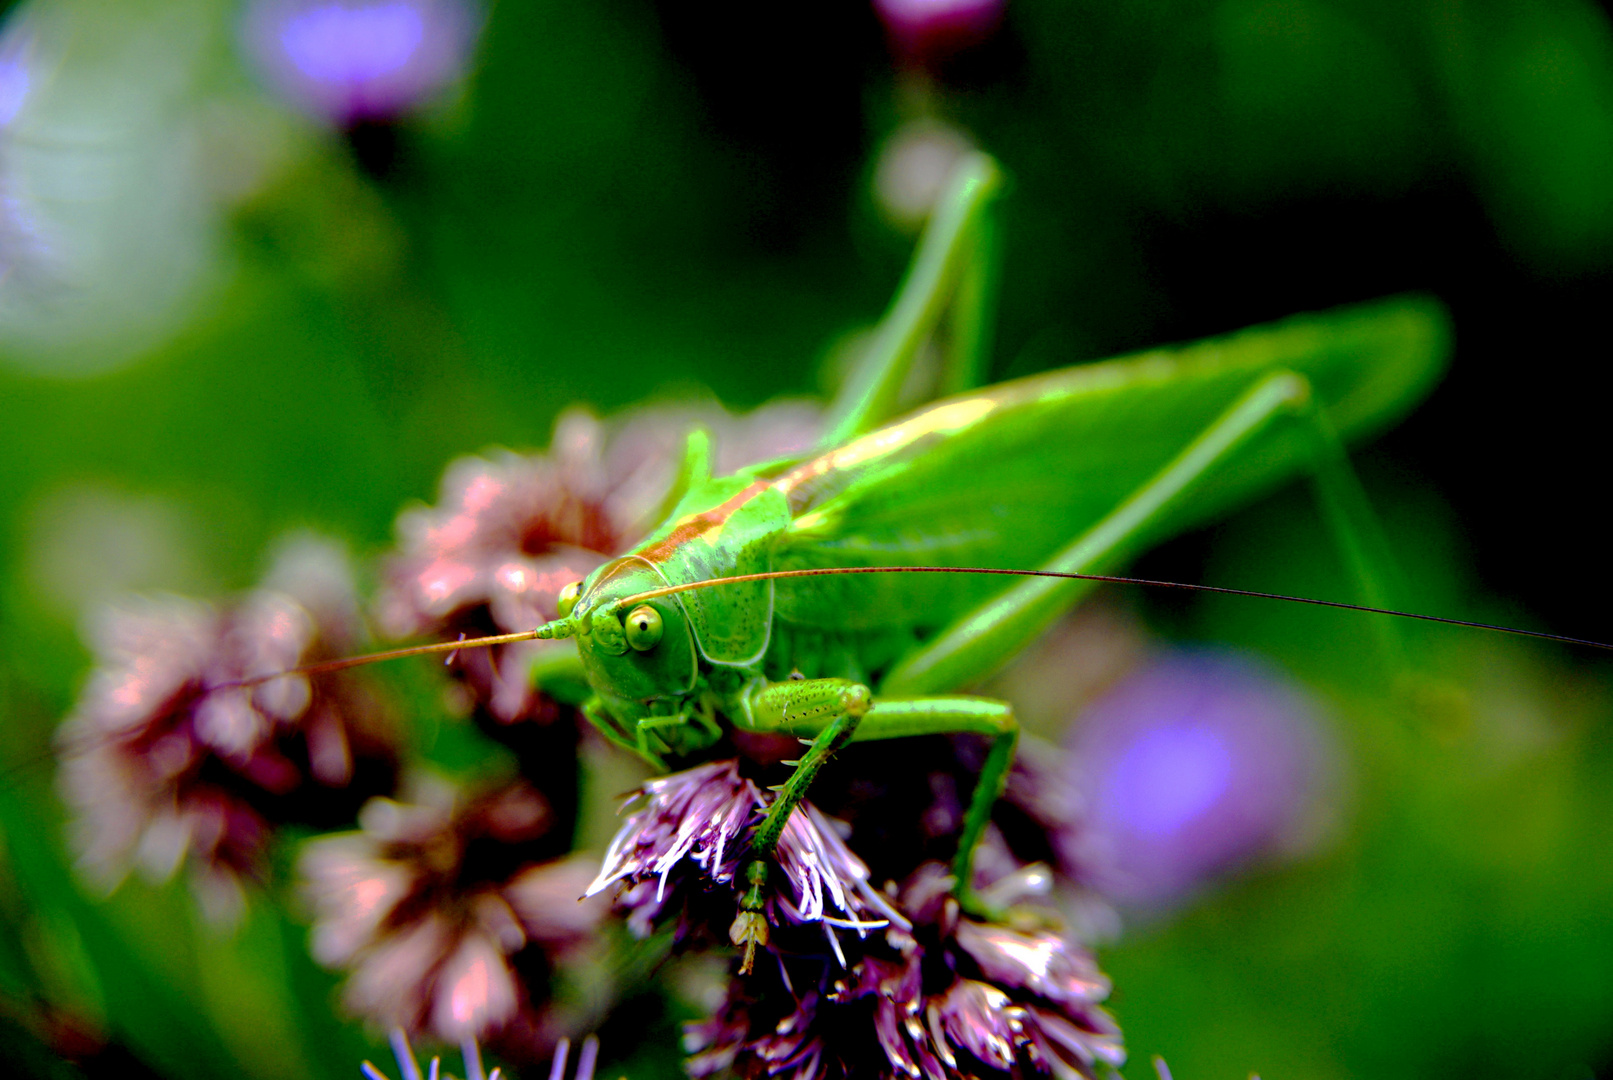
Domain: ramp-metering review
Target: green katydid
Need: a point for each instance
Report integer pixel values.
(808, 596)
(753, 604)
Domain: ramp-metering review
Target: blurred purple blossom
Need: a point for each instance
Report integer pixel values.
(1193, 764)
(354, 60)
(167, 755)
(24, 252)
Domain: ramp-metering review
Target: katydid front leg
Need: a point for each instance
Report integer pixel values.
(828, 710)
(595, 712)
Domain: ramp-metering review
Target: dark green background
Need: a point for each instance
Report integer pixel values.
(635, 199)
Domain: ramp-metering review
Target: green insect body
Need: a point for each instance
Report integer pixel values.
(1072, 471)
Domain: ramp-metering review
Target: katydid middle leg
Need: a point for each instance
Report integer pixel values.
(898, 718)
(827, 711)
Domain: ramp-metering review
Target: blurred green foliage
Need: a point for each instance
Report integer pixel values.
(607, 213)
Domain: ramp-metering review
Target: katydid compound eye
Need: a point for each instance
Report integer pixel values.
(643, 627)
(567, 602)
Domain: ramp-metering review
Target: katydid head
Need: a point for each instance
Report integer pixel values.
(637, 644)
(631, 649)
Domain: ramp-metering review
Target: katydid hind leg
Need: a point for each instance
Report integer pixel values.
(982, 640)
(986, 637)
(972, 317)
(1357, 531)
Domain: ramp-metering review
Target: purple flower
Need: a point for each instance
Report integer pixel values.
(700, 815)
(1192, 765)
(938, 995)
(166, 755)
(353, 60)
(694, 831)
(429, 906)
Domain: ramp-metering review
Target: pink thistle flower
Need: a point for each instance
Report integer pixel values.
(694, 831)
(167, 756)
(434, 906)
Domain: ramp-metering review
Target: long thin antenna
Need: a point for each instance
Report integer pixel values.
(324, 667)
(1112, 579)
(548, 629)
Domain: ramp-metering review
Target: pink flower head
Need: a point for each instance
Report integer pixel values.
(172, 752)
(511, 530)
(949, 997)
(429, 906)
(1024, 998)
(353, 60)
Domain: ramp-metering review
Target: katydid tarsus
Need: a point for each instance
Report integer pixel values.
(850, 595)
